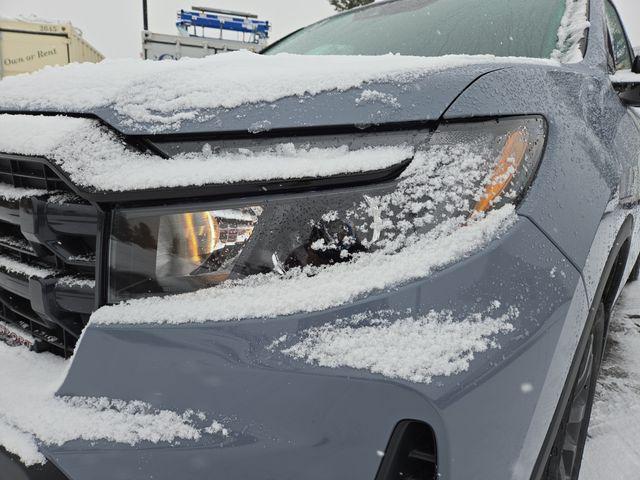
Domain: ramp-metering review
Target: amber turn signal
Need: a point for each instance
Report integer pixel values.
(513, 154)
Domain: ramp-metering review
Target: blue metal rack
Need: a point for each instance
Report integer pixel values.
(223, 20)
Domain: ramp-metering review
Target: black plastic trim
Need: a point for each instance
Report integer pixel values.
(11, 468)
(402, 447)
(74, 299)
(213, 192)
(284, 133)
(16, 284)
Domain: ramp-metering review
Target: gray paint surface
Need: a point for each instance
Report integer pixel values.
(291, 418)
(296, 421)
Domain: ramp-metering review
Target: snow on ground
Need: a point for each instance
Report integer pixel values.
(613, 450)
(30, 414)
(95, 157)
(414, 349)
(166, 93)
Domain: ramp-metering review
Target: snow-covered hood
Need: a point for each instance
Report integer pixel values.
(242, 91)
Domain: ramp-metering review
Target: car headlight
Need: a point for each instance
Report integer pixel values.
(190, 244)
(459, 172)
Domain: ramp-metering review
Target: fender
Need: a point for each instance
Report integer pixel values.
(606, 292)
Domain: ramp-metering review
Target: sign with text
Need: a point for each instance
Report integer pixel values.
(27, 52)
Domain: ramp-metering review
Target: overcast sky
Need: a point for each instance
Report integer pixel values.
(114, 26)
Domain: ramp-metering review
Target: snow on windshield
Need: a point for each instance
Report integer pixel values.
(413, 349)
(94, 157)
(571, 33)
(31, 415)
(161, 95)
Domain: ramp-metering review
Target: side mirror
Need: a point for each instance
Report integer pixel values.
(636, 65)
(627, 84)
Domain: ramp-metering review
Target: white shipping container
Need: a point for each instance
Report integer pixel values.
(27, 46)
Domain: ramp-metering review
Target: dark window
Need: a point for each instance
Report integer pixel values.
(521, 28)
(621, 50)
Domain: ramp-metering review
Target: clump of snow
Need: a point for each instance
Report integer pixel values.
(614, 432)
(414, 349)
(625, 76)
(11, 193)
(70, 281)
(17, 243)
(94, 157)
(31, 414)
(374, 96)
(21, 444)
(10, 265)
(571, 33)
(164, 94)
(63, 198)
(259, 127)
(441, 183)
(216, 428)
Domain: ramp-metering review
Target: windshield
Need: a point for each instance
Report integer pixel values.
(519, 28)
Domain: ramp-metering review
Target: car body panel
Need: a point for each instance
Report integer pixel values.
(594, 142)
(297, 420)
(420, 100)
(292, 420)
(584, 157)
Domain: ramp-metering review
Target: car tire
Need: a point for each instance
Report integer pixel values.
(568, 446)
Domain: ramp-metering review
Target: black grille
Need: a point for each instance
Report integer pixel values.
(47, 257)
(33, 174)
(411, 453)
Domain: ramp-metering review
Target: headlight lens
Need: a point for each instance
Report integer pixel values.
(203, 243)
(459, 173)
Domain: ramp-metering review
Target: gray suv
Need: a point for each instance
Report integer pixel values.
(456, 335)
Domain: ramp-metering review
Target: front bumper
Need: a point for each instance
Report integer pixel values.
(291, 420)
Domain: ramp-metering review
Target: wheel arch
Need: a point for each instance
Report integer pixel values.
(608, 288)
(614, 270)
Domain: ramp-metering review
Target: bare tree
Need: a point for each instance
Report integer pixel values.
(342, 5)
